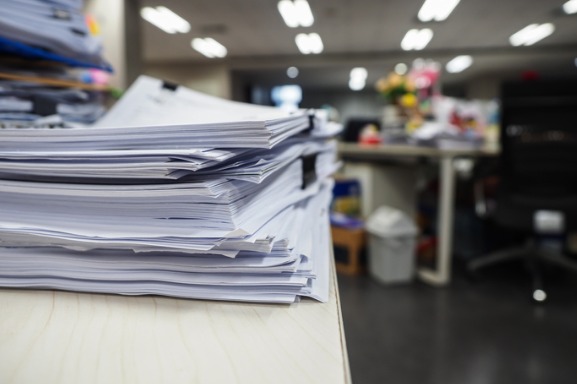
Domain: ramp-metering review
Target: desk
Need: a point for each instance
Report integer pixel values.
(64, 337)
(407, 154)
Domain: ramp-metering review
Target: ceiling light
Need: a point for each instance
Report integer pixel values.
(401, 69)
(459, 64)
(165, 19)
(304, 12)
(358, 78)
(359, 73)
(296, 13)
(531, 34)
(309, 43)
(416, 39)
(539, 295)
(209, 47)
(570, 7)
(436, 10)
(356, 85)
(292, 72)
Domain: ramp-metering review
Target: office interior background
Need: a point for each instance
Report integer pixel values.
(470, 331)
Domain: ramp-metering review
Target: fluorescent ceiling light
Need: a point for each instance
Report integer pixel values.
(416, 39)
(531, 34)
(309, 43)
(209, 47)
(436, 10)
(570, 7)
(296, 13)
(304, 12)
(165, 19)
(459, 64)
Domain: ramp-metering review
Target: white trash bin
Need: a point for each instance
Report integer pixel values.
(392, 240)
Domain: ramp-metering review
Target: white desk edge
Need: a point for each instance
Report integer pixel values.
(66, 337)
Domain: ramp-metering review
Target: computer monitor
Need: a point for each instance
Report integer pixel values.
(355, 125)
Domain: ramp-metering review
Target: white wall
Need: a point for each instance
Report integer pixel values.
(213, 79)
(109, 14)
(348, 104)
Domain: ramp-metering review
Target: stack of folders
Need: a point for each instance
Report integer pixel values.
(172, 193)
(42, 45)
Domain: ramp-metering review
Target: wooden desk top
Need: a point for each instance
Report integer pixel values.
(63, 337)
(354, 150)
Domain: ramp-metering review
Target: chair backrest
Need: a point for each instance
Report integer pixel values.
(539, 138)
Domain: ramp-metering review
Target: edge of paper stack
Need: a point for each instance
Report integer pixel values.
(171, 193)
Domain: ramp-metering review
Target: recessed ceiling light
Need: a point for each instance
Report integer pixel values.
(401, 69)
(209, 47)
(309, 43)
(296, 13)
(459, 64)
(165, 19)
(436, 10)
(292, 72)
(531, 34)
(570, 7)
(416, 39)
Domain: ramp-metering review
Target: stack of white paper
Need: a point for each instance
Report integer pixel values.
(22, 101)
(172, 193)
(49, 29)
(40, 42)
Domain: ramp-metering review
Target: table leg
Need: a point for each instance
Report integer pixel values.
(442, 273)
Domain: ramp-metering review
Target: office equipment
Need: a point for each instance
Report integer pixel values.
(397, 165)
(537, 194)
(355, 125)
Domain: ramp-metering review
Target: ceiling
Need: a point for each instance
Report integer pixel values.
(365, 33)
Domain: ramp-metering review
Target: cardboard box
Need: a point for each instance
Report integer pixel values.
(350, 250)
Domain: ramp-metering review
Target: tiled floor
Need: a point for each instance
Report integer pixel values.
(470, 332)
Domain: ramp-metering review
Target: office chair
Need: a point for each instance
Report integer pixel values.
(537, 194)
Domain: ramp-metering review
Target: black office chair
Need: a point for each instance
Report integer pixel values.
(537, 195)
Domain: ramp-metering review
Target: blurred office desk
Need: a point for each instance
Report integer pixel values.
(393, 169)
(65, 337)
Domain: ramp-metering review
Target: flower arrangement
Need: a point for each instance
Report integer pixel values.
(409, 96)
(401, 94)
(396, 89)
